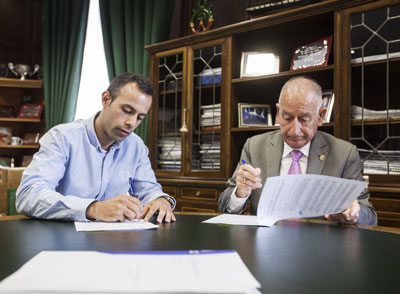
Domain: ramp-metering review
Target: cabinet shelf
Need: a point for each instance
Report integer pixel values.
(171, 91)
(375, 62)
(17, 83)
(285, 74)
(250, 129)
(270, 128)
(19, 146)
(374, 121)
(20, 120)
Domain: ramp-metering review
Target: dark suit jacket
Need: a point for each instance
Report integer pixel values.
(341, 160)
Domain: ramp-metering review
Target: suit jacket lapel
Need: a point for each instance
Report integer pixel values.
(319, 150)
(274, 154)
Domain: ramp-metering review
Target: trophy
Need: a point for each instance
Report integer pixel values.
(23, 70)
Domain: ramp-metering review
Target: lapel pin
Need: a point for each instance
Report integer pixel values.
(322, 157)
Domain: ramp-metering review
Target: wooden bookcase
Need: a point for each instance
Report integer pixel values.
(280, 33)
(12, 93)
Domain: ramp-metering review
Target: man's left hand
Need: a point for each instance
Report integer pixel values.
(163, 207)
(349, 216)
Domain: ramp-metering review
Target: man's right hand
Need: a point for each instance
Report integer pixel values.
(119, 208)
(247, 179)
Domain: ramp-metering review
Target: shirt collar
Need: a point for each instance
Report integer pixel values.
(89, 124)
(287, 149)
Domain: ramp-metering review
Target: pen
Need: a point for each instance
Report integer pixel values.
(131, 190)
(244, 162)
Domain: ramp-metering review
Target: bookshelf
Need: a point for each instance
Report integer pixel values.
(279, 33)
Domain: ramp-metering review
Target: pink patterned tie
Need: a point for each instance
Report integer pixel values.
(295, 166)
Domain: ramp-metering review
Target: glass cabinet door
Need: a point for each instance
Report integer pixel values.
(375, 71)
(205, 100)
(170, 101)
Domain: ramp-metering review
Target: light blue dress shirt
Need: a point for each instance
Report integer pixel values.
(71, 170)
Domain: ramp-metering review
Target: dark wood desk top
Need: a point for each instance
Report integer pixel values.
(290, 257)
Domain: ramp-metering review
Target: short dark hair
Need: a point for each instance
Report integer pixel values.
(122, 79)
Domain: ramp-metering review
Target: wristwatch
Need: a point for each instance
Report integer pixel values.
(170, 199)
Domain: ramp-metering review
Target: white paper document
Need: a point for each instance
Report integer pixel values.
(234, 219)
(114, 226)
(296, 196)
(146, 272)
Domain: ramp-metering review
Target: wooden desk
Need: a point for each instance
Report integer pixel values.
(290, 257)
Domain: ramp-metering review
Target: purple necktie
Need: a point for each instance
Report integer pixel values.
(295, 166)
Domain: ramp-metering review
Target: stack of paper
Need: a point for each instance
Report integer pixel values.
(139, 272)
(358, 112)
(380, 161)
(210, 115)
(169, 152)
(298, 196)
(114, 226)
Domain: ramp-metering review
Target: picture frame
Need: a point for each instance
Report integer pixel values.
(254, 115)
(6, 111)
(31, 138)
(255, 64)
(328, 99)
(314, 54)
(30, 110)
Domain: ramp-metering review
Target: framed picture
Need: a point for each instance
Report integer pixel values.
(312, 55)
(31, 138)
(328, 98)
(30, 110)
(254, 115)
(255, 64)
(6, 111)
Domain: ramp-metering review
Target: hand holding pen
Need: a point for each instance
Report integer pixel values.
(119, 208)
(247, 179)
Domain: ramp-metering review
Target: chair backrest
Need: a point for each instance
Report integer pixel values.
(9, 179)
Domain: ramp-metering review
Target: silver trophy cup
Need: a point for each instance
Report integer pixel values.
(23, 70)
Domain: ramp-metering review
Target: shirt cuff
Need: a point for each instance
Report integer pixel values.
(236, 204)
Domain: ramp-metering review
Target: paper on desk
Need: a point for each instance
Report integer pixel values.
(114, 226)
(295, 196)
(234, 219)
(147, 272)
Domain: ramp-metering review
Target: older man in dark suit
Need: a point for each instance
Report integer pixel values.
(298, 147)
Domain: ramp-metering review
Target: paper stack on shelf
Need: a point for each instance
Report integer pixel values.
(386, 162)
(210, 152)
(375, 57)
(209, 76)
(356, 113)
(169, 153)
(210, 116)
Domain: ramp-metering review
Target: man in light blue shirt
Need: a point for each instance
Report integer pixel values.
(82, 169)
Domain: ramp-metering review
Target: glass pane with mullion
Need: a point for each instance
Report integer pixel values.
(375, 48)
(206, 115)
(169, 145)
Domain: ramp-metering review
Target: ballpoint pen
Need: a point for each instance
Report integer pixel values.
(131, 190)
(243, 162)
